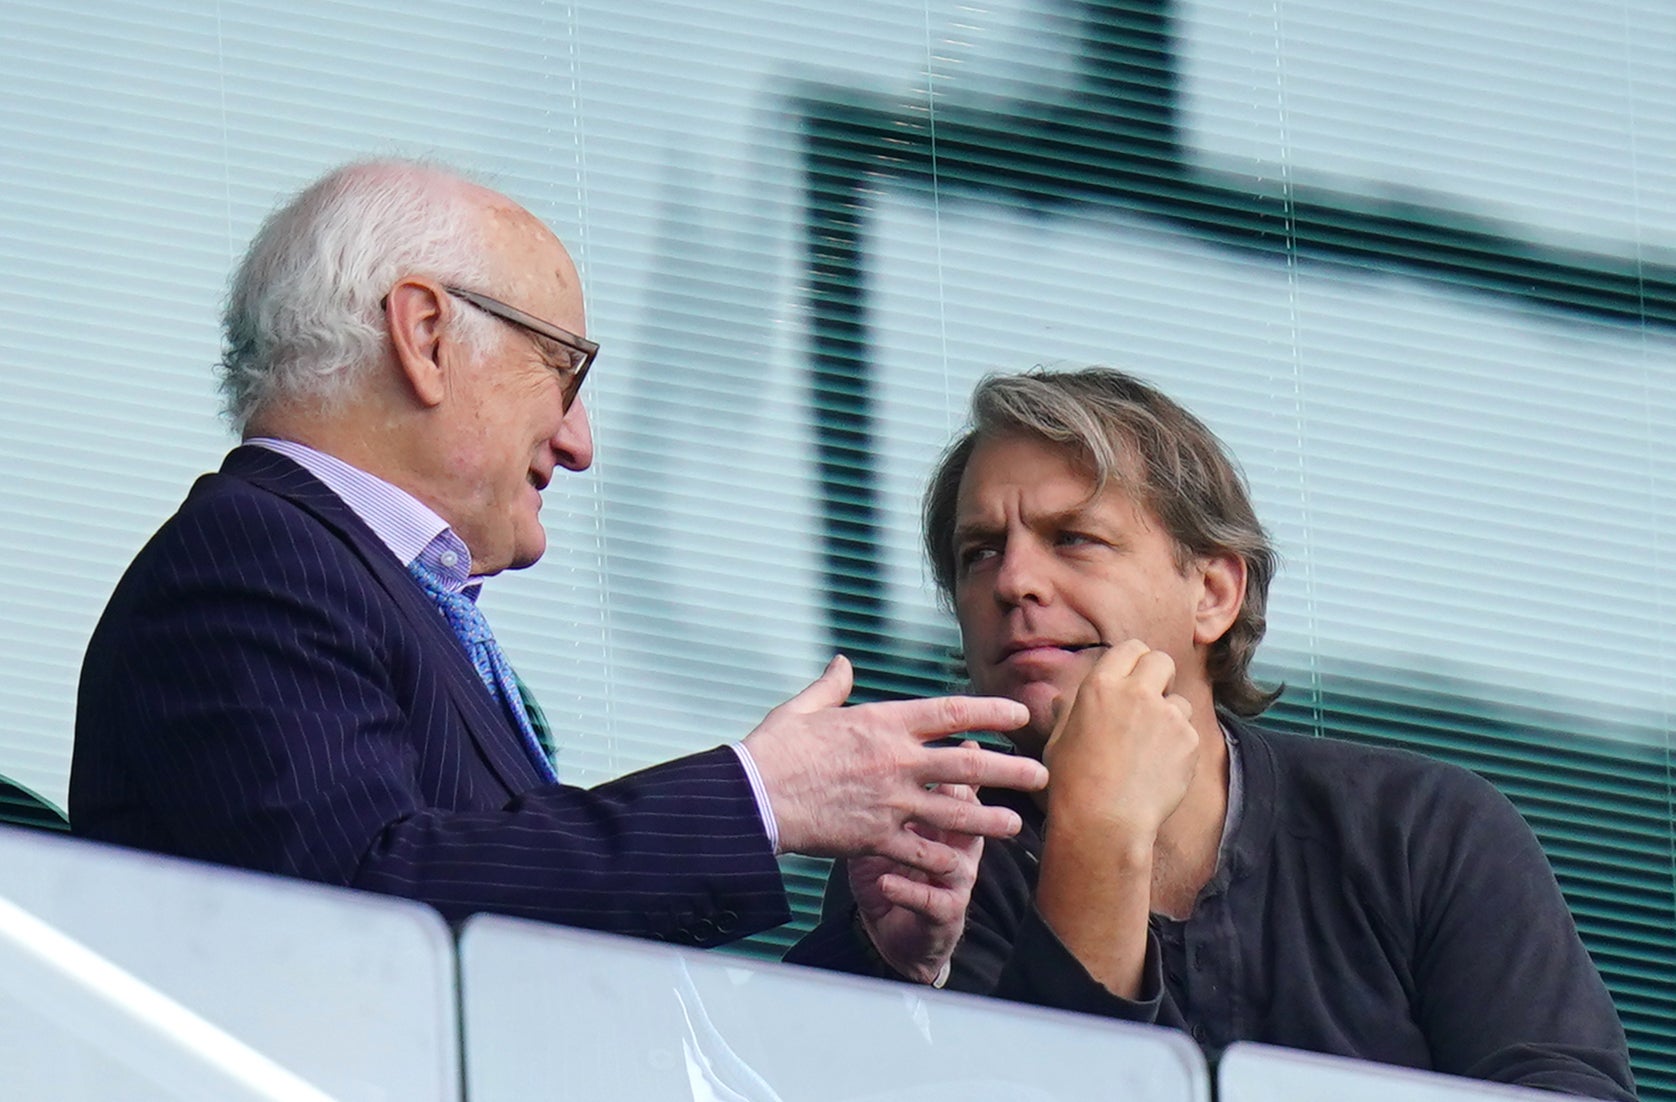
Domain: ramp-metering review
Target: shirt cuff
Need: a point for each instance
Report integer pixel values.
(770, 825)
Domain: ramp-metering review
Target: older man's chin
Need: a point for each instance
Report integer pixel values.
(529, 558)
(529, 539)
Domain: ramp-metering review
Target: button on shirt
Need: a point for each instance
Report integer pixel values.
(1198, 956)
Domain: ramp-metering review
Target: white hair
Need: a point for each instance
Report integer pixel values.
(303, 316)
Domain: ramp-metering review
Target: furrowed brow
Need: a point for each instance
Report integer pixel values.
(973, 530)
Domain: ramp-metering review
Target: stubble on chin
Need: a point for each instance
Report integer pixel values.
(1037, 696)
(1041, 698)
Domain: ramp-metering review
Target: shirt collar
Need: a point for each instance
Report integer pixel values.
(403, 523)
(1236, 806)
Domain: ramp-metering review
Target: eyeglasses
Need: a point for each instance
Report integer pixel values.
(582, 350)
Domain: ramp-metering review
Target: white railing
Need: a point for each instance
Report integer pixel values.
(577, 1015)
(1264, 1073)
(125, 975)
(162, 1044)
(352, 993)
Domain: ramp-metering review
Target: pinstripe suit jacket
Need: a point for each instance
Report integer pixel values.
(269, 688)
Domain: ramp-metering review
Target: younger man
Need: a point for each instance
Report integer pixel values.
(1185, 866)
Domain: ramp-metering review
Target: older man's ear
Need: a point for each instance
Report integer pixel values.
(416, 313)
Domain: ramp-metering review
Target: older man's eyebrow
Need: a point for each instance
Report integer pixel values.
(556, 353)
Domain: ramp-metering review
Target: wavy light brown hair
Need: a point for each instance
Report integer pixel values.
(1128, 432)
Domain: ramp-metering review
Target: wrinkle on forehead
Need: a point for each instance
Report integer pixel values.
(985, 510)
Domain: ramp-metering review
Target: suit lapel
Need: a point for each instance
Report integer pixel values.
(489, 725)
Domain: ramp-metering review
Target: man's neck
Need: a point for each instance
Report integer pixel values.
(1185, 854)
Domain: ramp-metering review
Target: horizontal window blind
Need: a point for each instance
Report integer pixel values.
(1415, 261)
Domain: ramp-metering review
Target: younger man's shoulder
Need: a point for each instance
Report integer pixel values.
(1377, 779)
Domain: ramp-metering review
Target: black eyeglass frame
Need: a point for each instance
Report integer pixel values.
(584, 348)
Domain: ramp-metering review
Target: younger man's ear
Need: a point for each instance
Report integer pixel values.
(1221, 596)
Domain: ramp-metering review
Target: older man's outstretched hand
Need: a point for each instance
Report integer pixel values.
(861, 781)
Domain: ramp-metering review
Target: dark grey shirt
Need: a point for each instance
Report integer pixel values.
(1368, 902)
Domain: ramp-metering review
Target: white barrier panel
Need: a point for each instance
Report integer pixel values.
(1251, 1072)
(353, 993)
(551, 1013)
(76, 1028)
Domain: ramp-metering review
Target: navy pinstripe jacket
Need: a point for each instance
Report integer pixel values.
(268, 688)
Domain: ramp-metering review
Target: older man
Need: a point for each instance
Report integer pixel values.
(1186, 866)
(293, 675)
